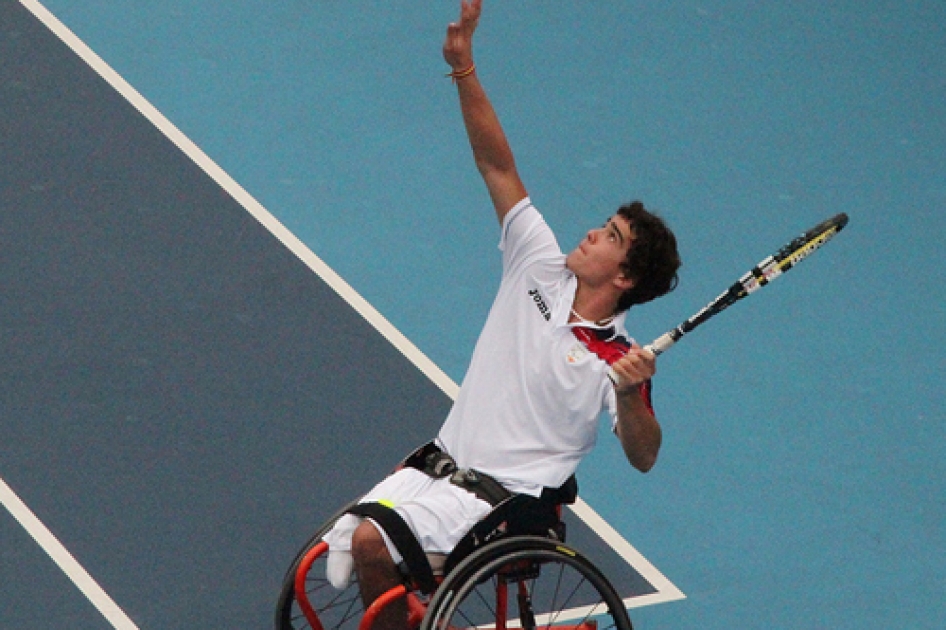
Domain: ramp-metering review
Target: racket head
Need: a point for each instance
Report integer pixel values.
(766, 271)
(788, 256)
(811, 240)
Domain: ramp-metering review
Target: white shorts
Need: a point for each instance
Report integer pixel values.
(438, 512)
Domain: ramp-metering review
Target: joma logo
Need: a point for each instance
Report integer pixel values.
(540, 304)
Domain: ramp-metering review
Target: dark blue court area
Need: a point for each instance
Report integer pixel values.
(187, 389)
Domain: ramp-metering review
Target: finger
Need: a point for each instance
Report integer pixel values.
(453, 30)
(470, 14)
(452, 41)
(637, 365)
(468, 8)
(624, 378)
(644, 352)
(646, 356)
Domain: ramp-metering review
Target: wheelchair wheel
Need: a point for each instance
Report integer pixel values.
(526, 582)
(336, 610)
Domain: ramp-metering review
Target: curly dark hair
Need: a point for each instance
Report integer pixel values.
(652, 259)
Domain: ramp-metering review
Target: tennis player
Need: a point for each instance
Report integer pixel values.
(528, 408)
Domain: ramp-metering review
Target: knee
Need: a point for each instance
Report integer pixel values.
(367, 544)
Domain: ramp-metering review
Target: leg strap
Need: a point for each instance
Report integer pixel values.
(404, 540)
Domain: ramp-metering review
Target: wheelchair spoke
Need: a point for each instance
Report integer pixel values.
(336, 609)
(555, 589)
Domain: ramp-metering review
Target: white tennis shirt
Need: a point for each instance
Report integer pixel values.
(528, 408)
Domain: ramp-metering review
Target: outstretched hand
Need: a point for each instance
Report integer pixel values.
(458, 46)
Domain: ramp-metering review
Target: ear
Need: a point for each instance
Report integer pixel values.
(623, 283)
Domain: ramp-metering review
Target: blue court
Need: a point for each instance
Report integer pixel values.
(193, 192)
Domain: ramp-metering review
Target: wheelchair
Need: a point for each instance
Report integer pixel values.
(509, 572)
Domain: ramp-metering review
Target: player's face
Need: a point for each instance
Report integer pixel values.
(598, 257)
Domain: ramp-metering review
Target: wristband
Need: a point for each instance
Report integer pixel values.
(456, 75)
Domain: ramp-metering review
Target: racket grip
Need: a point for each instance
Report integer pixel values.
(661, 344)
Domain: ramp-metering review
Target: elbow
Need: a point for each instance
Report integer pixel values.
(641, 441)
(644, 463)
(642, 454)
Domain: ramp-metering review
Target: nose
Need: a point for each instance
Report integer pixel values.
(596, 233)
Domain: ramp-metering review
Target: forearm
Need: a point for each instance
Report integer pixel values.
(637, 429)
(491, 150)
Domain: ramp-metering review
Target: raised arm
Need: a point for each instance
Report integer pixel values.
(491, 150)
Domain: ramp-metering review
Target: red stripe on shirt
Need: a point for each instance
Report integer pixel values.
(609, 348)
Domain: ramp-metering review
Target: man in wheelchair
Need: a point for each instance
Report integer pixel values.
(528, 408)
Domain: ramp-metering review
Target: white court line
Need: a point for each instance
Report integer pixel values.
(61, 556)
(666, 590)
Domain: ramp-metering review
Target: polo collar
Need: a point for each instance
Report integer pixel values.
(567, 299)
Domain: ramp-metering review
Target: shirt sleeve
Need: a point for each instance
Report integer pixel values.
(526, 237)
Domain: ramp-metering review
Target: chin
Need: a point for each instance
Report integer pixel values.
(570, 262)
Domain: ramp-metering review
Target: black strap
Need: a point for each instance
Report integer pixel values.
(566, 494)
(404, 540)
(482, 485)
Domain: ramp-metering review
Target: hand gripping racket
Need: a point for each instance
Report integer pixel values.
(756, 278)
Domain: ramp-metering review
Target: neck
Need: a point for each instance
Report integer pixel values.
(577, 318)
(587, 310)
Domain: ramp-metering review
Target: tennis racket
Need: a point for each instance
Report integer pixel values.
(756, 278)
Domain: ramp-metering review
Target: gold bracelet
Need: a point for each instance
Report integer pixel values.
(456, 75)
